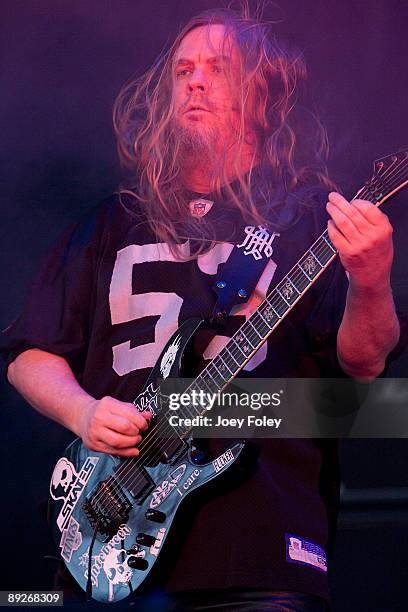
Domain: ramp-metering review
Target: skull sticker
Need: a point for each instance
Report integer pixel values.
(63, 476)
(117, 571)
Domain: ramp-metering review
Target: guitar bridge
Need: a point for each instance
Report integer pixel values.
(107, 507)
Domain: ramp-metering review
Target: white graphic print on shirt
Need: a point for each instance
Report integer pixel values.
(126, 306)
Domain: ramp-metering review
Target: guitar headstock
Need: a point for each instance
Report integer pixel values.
(389, 176)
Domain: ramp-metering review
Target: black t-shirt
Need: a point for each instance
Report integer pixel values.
(108, 298)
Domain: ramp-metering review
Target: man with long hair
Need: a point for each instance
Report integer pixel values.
(217, 145)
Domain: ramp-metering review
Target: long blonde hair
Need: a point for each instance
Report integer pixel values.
(291, 142)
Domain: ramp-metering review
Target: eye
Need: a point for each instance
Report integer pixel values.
(181, 73)
(216, 68)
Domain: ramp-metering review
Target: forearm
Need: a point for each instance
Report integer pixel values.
(106, 425)
(46, 381)
(368, 332)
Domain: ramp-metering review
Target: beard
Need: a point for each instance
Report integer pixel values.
(196, 145)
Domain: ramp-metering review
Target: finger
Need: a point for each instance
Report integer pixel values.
(352, 213)
(344, 224)
(130, 412)
(337, 238)
(360, 211)
(121, 424)
(370, 212)
(117, 440)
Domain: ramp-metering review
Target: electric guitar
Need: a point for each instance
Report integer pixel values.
(111, 516)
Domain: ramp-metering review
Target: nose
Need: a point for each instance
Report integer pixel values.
(197, 81)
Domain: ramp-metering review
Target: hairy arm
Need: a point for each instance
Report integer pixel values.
(47, 382)
(369, 329)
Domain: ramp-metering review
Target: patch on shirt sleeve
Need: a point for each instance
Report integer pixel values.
(299, 550)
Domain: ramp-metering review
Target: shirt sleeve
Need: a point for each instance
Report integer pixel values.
(57, 313)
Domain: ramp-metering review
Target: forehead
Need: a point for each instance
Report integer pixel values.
(206, 41)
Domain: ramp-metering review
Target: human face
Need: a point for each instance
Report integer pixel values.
(202, 93)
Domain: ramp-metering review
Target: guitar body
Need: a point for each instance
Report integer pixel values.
(135, 503)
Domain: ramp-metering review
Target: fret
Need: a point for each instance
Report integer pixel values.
(329, 244)
(210, 375)
(293, 285)
(269, 313)
(214, 374)
(279, 305)
(224, 364)
(193, 387)
(213, 363)
(258, 312)
(190, 409)
(287, 291)
(179, 430)
(300, 267)
(261, 323)
(310, 265)
(246, 337)
(235, 349)
(286, 302)
(237, 345)
(256, 331)
(325, 252)
(202, 379)
(316, 258)
(227, 349)
(243, 343)
(301, 281)
(270, 306)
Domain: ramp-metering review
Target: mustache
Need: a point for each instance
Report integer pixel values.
(197, 101)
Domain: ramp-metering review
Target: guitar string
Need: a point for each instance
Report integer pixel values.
(146, 440)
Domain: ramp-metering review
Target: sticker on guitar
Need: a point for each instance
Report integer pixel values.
(67, 485)
(222, 460)
(147, 400)
(71, 539)
(116, 571)
(169, 357)
(154, 549)
(164, 489)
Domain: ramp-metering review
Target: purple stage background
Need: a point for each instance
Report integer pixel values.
(62, 64)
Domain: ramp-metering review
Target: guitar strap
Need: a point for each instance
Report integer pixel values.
(240, 274)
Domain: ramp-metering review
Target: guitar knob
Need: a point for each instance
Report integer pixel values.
(145, 540)
(133, 550)
(137, 563)
(155, 515)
